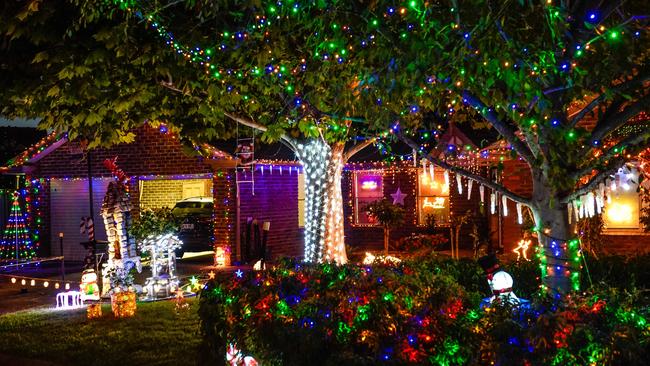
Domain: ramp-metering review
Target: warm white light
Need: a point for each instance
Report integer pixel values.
(13, 280)
(46, 284)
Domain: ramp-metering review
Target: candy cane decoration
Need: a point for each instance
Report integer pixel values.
(86, 226)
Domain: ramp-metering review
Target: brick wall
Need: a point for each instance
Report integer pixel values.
(225, 210)
(363, 238)
(274, 199)
(152, 153)
(159, 193)
(517, 178)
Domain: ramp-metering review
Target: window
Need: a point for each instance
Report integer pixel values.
(433, 197)
(623, 210)
(368, 188)
(301, 200)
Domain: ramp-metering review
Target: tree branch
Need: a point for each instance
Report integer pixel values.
(482, 180)
(599, 99)
(356, 148)
(594, 181)
(631, 141)
(604, 127)
(252, 124)
(504, 130)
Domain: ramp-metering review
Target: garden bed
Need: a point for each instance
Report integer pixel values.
(424, 311)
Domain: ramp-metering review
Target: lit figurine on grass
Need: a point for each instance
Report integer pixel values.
(500, 282)
(163, 281)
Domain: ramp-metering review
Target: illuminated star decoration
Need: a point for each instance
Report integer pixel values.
(522, 249)
(239, 273)
(398, 197)
(211, 275)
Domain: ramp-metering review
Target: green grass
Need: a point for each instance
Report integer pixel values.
(157, 335)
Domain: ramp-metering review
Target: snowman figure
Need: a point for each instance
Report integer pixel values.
(500, 281)
(89, 287)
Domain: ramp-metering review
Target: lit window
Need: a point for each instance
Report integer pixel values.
(368, 188)
(623, 210)
(433, 197)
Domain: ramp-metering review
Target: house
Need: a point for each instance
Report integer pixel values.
(57, 171)
(161, 172)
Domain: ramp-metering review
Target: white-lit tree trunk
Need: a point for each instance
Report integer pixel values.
(323, 168)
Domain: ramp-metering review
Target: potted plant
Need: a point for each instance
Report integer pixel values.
(388, 214)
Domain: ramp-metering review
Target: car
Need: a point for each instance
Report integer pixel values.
(195, 216)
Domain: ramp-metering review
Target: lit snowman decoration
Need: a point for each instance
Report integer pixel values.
(500, 281)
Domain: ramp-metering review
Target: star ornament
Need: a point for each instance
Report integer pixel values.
(398, 197)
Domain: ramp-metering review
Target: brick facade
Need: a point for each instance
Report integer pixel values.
(152, 153)
(157, 193)
(274, 198)
(361, 238)
(517, 178)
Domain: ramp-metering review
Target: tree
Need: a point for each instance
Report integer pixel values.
(317, 74)
(388, 214)
(16, 240)
(561, 82)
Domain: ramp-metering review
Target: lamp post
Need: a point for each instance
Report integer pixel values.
(62, 256)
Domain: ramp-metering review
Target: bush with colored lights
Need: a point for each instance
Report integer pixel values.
(413, 313)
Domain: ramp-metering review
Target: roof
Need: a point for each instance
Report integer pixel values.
(25, 161)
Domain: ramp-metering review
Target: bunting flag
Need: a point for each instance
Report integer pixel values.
(504, 203)
(459, 184)
(470, 183)
(481, 191)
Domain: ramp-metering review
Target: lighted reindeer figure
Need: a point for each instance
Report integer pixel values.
(116, 212)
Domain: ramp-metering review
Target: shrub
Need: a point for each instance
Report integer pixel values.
(423, 311)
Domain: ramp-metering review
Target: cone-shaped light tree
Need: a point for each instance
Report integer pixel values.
(317, 74)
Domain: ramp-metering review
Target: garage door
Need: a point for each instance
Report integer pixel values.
(68, 203)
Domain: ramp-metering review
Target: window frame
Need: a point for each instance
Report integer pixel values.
(355, 195)
(420, 197)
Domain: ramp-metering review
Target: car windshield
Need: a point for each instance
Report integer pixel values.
(190, 204)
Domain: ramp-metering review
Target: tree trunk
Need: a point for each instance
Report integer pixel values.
(323, 169)
(559, 249)
(386, 239)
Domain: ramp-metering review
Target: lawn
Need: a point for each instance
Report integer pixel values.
(157, 335)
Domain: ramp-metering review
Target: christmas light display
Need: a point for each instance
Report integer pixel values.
(69, 300)
(116, 212)
(323, 168)
(522, 249)
(16, 240)
(163, 280)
